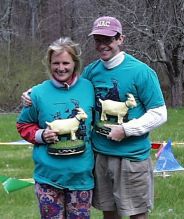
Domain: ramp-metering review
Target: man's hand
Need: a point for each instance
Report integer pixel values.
(117, 132)
(25, 98)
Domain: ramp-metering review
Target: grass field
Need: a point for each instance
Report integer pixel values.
(16, 161)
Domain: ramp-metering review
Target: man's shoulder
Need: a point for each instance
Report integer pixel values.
(136, 61)
(138, 65)
(94, 63)
(90, 67)
(85, 81)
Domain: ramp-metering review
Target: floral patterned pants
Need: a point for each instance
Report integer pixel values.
(62, 203)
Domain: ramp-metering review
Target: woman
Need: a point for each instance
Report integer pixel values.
(63, 181)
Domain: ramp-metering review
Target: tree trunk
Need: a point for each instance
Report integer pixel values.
(176, 92)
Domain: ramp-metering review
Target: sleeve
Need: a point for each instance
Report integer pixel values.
(27, 123)
(152, 119)
(148, 88)
(27, 131)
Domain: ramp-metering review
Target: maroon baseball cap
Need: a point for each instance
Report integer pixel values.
(107, 26)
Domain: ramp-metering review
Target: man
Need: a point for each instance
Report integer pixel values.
(123, 170)
(124, 177)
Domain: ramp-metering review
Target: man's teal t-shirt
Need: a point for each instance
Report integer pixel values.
(131, 76)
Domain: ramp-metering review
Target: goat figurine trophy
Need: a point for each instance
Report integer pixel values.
(67, 127)
(115, 109)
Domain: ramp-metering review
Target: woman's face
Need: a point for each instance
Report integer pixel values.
(62, 66)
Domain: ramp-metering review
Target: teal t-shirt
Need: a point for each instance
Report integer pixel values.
(131, 76)
(49, 103)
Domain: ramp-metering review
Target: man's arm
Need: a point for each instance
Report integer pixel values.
(152, 119)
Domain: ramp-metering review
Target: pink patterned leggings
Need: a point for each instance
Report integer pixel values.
(62, 203)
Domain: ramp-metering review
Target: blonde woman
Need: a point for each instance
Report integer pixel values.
(63, 179)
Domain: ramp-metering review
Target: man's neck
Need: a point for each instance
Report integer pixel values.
(115, 61)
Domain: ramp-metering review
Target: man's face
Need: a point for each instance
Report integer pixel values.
(107, 46)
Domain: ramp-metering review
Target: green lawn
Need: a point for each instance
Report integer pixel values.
(16, 161)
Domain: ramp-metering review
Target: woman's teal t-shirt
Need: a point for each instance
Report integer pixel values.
(49, 103)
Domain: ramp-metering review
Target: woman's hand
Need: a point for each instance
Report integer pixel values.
(49, 136)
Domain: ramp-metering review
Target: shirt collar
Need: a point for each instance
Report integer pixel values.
(71, 82)
(115, 61)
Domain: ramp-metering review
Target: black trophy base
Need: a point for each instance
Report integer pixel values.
(102, 130)
(66, 148)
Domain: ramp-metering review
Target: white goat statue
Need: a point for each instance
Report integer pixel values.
(68, 126)
(115, 108)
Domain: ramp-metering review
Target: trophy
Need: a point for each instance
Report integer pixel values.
(113, 113)
(69, 134)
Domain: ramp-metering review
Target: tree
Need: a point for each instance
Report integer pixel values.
(164, 27)
(6, 30)
(154, 32)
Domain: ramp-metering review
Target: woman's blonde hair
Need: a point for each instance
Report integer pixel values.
(65, 44)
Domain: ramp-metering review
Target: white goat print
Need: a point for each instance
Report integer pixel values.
(68, 126)
(115, 108)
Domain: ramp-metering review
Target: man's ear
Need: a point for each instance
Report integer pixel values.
(121, 39)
